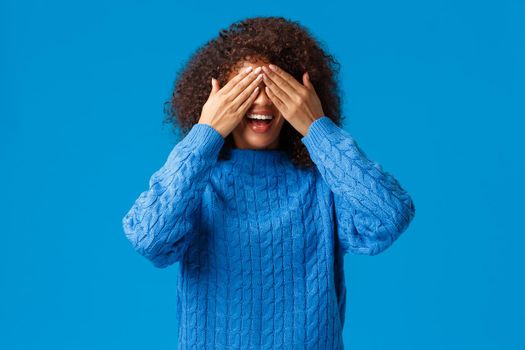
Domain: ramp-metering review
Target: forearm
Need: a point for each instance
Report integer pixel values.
(372, 208)
(162, 219)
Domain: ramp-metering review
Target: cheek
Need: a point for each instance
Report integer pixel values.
(279, 125)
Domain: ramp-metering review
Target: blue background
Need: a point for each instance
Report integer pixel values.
(432, 90)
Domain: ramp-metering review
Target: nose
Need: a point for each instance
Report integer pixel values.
(262, 98)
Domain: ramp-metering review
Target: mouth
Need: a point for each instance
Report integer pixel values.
(259, 123)
(265, 118)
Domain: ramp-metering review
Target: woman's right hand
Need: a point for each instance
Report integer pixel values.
(226, 106)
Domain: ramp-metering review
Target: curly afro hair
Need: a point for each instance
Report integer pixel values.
(273, 39)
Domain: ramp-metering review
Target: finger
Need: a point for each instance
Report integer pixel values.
(247, 91)
(278, 83)
(306, 80)
(278, 91)
(283, 75)
(276, 100)
(308, 83)
(246, 81)
(233, 81)
(246, 104)
(214, 86)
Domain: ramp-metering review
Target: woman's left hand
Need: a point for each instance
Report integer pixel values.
(298, 103)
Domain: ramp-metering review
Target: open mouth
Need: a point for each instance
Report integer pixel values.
(261, 118)
(258, 122)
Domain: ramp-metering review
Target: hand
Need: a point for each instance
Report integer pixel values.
(226, 106)
(298, 103)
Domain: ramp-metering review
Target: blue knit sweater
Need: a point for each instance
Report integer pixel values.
(261, 242)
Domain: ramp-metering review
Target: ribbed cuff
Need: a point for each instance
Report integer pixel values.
(206, 139)
(319, 130)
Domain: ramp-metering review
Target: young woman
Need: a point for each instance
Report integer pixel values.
(264, 194)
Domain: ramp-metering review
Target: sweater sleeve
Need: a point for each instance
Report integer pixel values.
(371, 208)
(162, 220)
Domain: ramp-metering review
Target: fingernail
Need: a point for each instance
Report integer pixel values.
(248, 69)
(258, 69)
(272, 67)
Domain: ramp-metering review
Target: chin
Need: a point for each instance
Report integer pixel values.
(257, 142)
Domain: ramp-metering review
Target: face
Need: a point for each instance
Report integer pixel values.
(254, 135)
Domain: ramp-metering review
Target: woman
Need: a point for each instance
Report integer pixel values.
(260, 213)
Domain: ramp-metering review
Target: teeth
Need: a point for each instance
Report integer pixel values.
(259, 116)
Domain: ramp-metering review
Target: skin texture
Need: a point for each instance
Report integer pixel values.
(298, 103)
(243, 136)
(226, 106)
(252, 41)
(277, 91)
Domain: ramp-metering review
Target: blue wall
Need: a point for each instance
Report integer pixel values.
(432, 90)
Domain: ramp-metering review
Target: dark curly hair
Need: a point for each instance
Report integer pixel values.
(274, 39)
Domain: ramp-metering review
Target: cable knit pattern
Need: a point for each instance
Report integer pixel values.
(260, 242)
(372, 209)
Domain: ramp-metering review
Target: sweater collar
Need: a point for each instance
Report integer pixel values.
(259, 162)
